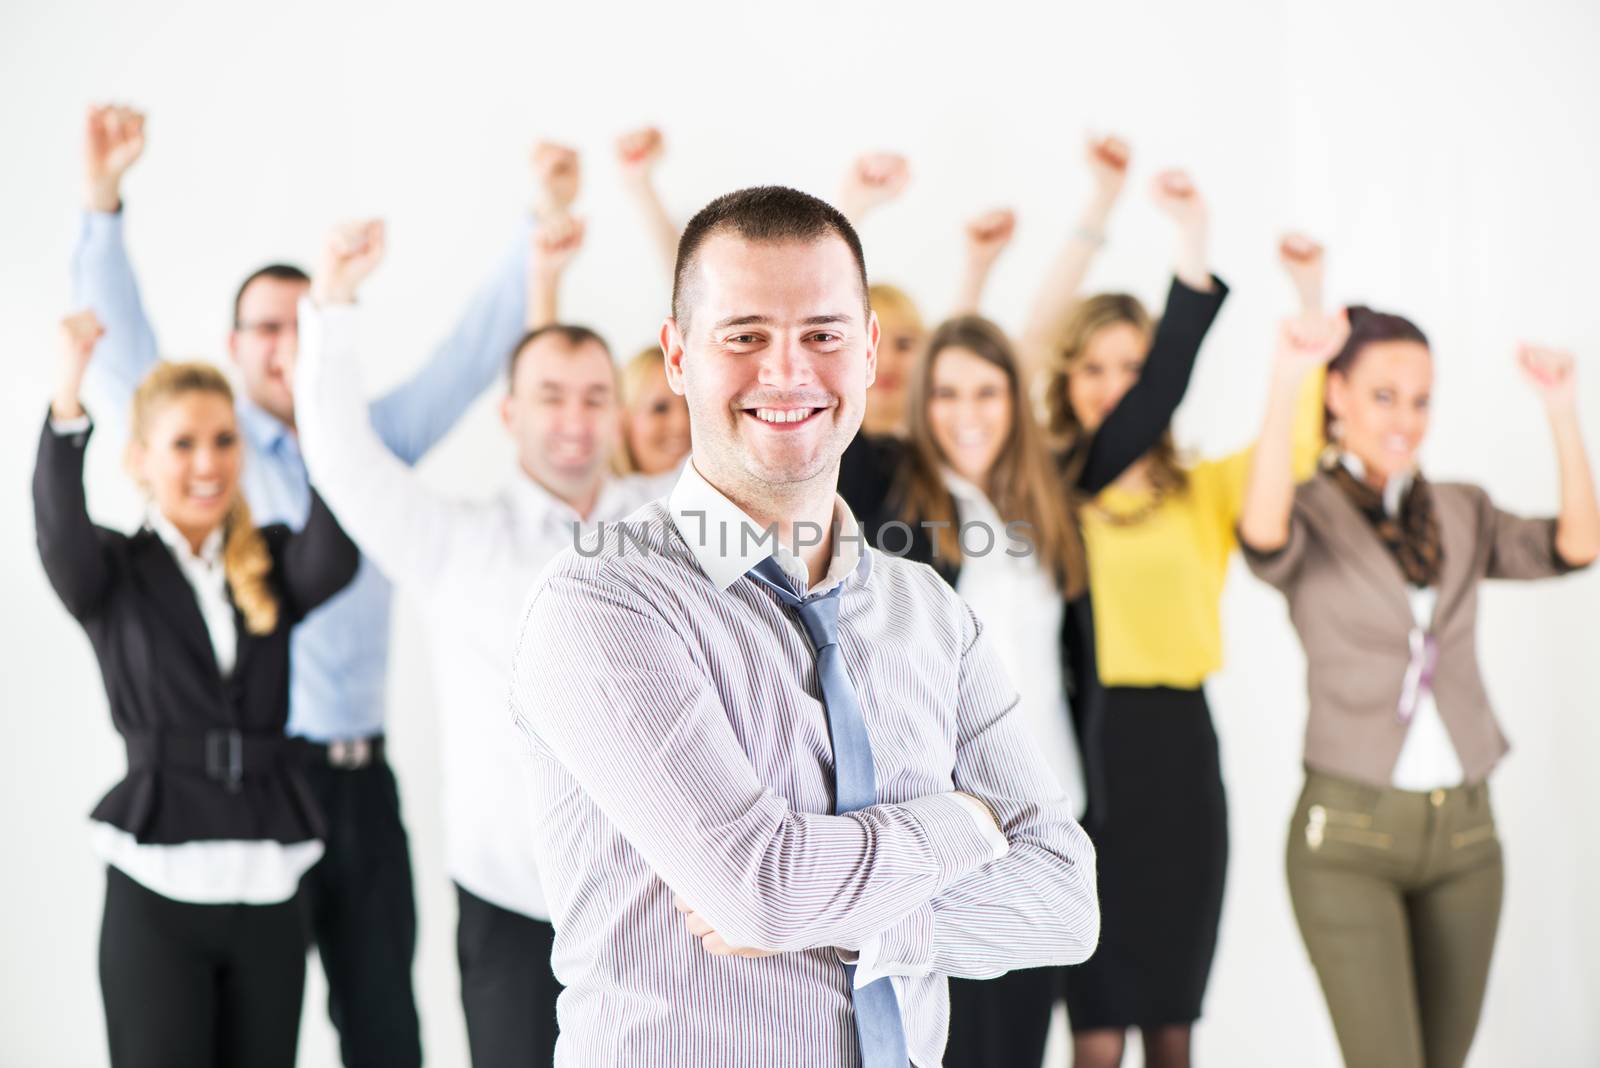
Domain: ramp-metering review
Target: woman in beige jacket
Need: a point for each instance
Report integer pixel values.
(1394, 865)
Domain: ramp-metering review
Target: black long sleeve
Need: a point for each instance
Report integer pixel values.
(73, 550)
(1136, 424)
(317, 561)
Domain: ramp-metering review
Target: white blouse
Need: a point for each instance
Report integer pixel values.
(1428, 757)
(1022, 610)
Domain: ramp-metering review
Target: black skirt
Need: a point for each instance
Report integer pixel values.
(1161, 844)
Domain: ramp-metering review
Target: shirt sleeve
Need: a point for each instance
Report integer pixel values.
(403, 526)
(1225, 480)
(1145, 411)
(413, 417)
(644, 733)
(73, 550)
(1519, 548)
(103, 280)
(1280, 568)
(1038, 905)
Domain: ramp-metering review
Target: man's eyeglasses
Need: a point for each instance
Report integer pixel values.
(268, 328)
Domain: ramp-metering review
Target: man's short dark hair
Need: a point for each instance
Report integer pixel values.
(281, 272)
(574, 335)
(767, 213)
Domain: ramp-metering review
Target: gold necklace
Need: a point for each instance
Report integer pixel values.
(1158, 494)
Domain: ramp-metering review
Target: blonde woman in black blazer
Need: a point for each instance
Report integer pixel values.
(202, 957)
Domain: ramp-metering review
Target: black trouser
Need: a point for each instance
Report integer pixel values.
(199, 985)
(362, 916)
(507, 988)
(1002, 1021)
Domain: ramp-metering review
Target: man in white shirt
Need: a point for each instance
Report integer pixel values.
(468, 567)
(782, 785)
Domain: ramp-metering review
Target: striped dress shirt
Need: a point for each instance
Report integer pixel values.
(680, 745)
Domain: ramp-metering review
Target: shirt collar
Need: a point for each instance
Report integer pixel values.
(210, 554)
(727, 543)
(1394, 491)
(265, 430)
(536, 505)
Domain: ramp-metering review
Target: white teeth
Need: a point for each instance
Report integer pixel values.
(966, 438)
(205, 489)
(782, 415)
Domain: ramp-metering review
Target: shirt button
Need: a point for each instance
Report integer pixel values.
(1436, 798)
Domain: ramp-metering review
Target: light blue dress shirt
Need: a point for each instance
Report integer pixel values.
(339, 655)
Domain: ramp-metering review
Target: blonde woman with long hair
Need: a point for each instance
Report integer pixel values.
(202, 947)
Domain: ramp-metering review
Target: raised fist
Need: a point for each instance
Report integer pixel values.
(989, 234)
(1308, 342)
(1303, 259)
(77, 336)
(1551, 372)
(351, 253)
(556, 170)
(638, 152)
(1108, 163)
(555, 242)
(1175, 194)
(872, 180)
(113, 141)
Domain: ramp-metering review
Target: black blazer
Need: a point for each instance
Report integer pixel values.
(870, 468)
(168, 698)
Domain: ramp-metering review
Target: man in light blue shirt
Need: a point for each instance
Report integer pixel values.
(359, 898)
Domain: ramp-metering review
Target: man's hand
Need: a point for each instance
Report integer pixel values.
(351, 253)
(555, 242)
(113, 141)
(557, 172)
(709, 938)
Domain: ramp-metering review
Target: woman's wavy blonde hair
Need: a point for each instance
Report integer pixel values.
(245, 558)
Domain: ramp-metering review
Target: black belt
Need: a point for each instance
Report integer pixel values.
(346, 754)
(226, 754)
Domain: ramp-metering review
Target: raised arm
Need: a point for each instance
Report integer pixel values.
(986, 237)
(874, 179)
(413, 417)
(638, 154)
(382, 503)
(649, 741)
(71, 547)
(1145, 411)
(1035, 906)
(1108, 167)
(1552, 373)
(554, 245)
(1303, 347)
(102, 276)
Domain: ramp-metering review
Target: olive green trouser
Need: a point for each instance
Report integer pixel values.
(1397, 895)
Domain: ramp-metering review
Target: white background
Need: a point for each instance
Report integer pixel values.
(1446, 152)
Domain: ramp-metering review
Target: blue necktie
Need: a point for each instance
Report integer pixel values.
(878, 1027)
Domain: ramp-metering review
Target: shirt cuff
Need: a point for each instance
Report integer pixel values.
(67, 427)
(999, 846)
(904, 950)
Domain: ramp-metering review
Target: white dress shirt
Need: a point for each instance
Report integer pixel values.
(213, 872)
(1022, 609)
(681, 745)
(1428, 758)
(468, 567)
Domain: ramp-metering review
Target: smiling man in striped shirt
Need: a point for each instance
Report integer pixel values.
(782, 790)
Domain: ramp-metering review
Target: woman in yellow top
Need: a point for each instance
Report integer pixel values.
(1158, 542)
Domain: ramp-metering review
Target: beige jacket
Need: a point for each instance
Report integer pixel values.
(1348, 600)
